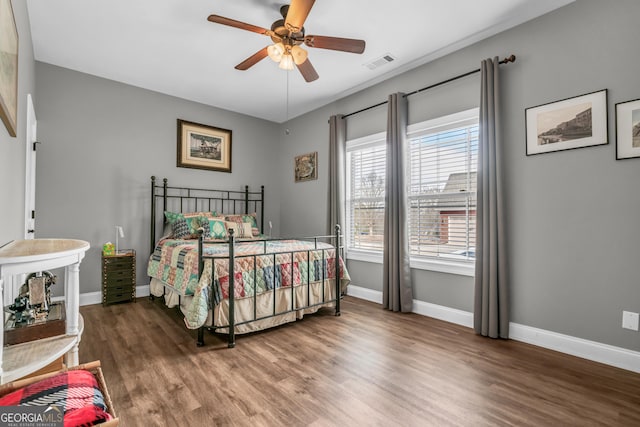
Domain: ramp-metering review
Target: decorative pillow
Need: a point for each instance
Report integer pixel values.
(205, 214)
(246, 230)
(217, 228)
(187, 228)
(173, 216)
(242, 231)
(251, 219)
(206, 227)
(234, 218)
(180, 229)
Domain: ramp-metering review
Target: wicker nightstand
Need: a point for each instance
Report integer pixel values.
(119, 277)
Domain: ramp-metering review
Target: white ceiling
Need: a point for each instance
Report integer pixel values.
(168, 46)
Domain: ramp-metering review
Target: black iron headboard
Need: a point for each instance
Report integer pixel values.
(189, 199)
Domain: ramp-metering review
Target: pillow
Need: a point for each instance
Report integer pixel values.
(246, 232)
(251, 219)
(217, 228)
(187, 228)
(242, 230)
(180, 229)
(174, 216)
(234, 218)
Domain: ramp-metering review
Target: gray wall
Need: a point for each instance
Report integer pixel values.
(12, 150)
(102, 141)
(572, 216)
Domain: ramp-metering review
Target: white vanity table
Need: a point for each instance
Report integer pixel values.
(28, 256)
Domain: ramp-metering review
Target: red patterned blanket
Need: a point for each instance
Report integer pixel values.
(76, 392)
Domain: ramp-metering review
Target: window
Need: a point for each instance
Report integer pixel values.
(441, 174)
(365, 193)
(443, 155)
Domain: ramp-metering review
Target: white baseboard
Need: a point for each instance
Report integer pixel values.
(452, 315)
(91, 298)
(365, 294)
(590, 350)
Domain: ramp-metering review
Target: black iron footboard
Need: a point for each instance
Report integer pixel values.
(336, 247)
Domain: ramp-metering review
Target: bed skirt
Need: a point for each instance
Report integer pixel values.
(244, 307)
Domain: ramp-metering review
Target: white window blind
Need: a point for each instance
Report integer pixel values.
(443, 155)
(365, 193)
(441, 192)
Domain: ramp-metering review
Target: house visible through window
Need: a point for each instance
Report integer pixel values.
(443, 155)
(441, 190)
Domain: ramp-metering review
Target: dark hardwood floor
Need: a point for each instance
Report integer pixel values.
(366, 367)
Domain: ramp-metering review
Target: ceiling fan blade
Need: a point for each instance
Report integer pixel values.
(308, 72)
(335, 43)
(252, 60)
(238, 24)
(297, 14)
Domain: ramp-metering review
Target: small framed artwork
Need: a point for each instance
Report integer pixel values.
(8, 67)
(203, 147)
(306, 167)
(571, 123)
(628, 129)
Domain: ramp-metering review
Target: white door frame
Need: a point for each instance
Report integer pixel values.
(30, 171)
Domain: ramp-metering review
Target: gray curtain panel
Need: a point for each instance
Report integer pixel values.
(396, 290)
(491, 299)
(337, 173)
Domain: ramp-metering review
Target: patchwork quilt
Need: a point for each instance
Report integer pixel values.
(260, 266)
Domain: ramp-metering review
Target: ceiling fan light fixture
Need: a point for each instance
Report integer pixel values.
(286, 63)
(275, 51)
(299, 54)
(287, 34)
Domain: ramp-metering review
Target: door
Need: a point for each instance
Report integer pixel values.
(30, 172)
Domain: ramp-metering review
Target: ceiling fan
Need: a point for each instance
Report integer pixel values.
(287, 35)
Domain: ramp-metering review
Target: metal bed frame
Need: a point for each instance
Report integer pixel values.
(194, 199)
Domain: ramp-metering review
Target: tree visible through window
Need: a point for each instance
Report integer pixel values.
(366, 169)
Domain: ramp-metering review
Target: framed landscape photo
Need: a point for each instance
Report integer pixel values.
(203, 147)
(306, 167)
(571, 123)
(8, 67)
(628, 129)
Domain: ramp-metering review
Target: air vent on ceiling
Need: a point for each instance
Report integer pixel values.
(385, 59)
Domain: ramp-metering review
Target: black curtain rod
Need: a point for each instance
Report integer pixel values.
(506, 60)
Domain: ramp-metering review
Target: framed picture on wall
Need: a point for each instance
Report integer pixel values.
(306, 167)
(571, 123)
(628, 129)
(203, 147)
(8, 67)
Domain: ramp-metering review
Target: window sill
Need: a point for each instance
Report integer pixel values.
(366, 256)
(460, 268)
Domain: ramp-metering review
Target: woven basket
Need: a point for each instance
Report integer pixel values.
(93, 367)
